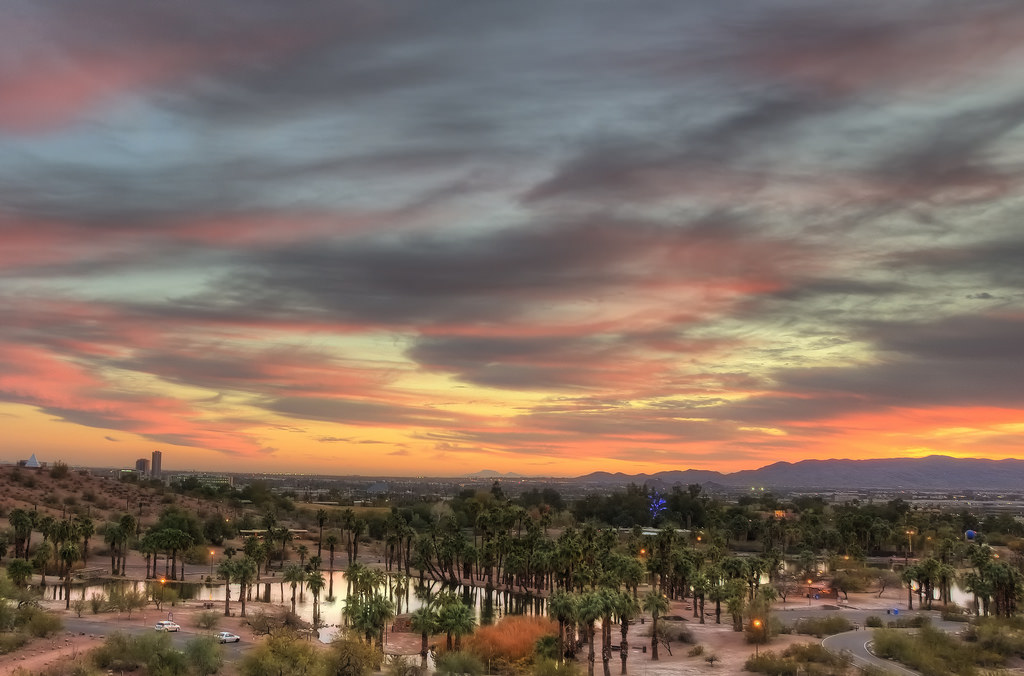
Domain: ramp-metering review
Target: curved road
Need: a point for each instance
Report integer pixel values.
(856, 644)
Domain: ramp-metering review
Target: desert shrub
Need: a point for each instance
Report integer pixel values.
(348, 656)
(800, 658)
(37, 622)
(873, 621)
(997, 635)
(933, 652)
(11, 642)
(954, 613)
(822, 626)
(459, 663)
(59, 470)
(121, 652)
(62, 669)
(96, 602)
(400, 665)
(513, 638)
(696, 651)
(549, 667)
(284, 653)
(203, 656)
(915, 622)
(768, 662)
(78, 605)
(208, 619)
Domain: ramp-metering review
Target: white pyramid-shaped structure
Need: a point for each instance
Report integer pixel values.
(32, 462)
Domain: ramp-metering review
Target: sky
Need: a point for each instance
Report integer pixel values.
(429, 238)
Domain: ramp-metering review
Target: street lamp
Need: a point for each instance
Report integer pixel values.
(910, 547)
(808, 591)
(211, 563)
(757, 635)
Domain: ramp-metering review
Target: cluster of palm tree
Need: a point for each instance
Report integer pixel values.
(996, 585)
(65, 541)
(442, 613)
(367, 608)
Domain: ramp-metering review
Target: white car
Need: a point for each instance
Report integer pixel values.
(166, 625)
(228, 637)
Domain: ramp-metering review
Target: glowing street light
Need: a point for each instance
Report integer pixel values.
(757, 638)
(211, 563)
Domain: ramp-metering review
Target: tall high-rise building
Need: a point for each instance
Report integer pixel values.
(157, 456)
(142, 465)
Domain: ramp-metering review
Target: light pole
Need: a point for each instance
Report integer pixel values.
(910, 547)
(211, 563)
(808, 591)
(757, 635)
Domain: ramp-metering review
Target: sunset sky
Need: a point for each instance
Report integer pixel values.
(529, 236)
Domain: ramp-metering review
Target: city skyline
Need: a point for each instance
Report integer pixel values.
(548, 239)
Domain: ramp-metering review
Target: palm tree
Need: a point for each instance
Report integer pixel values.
(294, 574)
(69, 553)
(589, 610)
(245, 574)
(19, 571)
(656, 604)
(321, 519)
(303, 552)
(562, 607)
(316, 583)
(456, 619)
(22, 523)
(627, 608)
(41, 559)
(226, 571)
(332, 542)
(425, 621)
(86, 529)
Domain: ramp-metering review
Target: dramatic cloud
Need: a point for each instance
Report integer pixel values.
(542, 237)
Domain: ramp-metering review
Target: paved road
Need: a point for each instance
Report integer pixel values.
(232, 651)
(856, 642)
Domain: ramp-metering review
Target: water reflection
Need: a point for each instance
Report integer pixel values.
(407, 595)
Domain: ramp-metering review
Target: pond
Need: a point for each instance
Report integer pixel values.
(490, 606)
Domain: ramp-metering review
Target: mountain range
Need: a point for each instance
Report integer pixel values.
(935, 472)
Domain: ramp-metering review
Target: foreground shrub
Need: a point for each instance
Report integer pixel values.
(459, 663)
(37, 622)
(800, 658)
(348, 656)
(549, 667)
(933, 652)
(822, 626)
(11, 642)
(203, 655)
(283, 653)
(873, 621)
(696, 651)
(512, 639)
(997, 635)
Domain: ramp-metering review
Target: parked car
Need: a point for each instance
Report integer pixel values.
(228, 637)
(166, 625)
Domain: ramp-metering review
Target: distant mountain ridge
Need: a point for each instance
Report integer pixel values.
(938, 472)
(490, 473)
